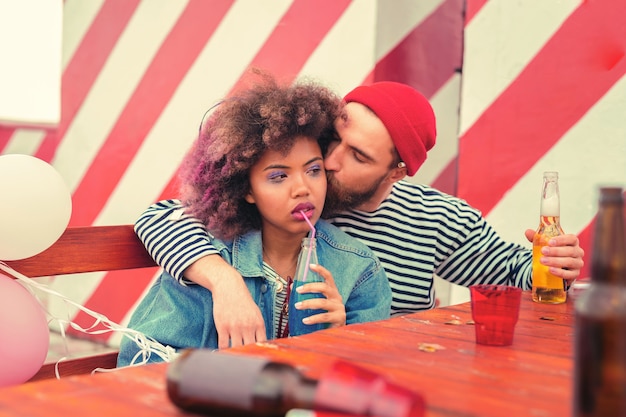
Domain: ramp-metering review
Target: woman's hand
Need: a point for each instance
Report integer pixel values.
(335, 314)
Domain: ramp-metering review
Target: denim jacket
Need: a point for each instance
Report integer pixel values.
(181, 316)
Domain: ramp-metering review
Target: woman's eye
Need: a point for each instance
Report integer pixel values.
(276, 176)
(315, 169)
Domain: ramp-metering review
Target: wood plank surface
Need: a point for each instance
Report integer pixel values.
(76, 366)
(532, 377)
(88, 249)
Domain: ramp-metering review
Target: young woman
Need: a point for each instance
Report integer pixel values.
(254, 174)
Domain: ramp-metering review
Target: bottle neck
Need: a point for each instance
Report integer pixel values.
(608, 261)
(308, 256)
(551, 205)
(309, 242)
(300, 393)
(547, 220)
(550, 199)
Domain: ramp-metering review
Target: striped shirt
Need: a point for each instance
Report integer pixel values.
(417, 232)
(281, 310)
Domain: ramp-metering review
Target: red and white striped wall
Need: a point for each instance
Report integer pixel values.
(518, 88)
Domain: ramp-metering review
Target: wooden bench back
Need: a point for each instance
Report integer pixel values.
(80, 250)
(88, 249)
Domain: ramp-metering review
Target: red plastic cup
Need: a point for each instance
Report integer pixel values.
(495, 309)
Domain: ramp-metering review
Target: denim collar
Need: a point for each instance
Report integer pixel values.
(247, 254)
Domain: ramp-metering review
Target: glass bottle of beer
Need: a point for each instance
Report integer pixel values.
(547, 287)
(222, 384)
(600, 317)
(304, 274)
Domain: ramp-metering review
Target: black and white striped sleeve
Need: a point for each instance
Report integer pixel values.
(173, 238)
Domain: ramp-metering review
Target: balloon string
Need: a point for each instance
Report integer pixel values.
(147, 345)
(311, 240)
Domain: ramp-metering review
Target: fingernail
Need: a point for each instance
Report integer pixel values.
(298, 305)
(545, 250)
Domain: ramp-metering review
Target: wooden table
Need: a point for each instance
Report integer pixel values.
(531, 378)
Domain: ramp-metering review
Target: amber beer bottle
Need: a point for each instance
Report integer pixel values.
(221, 384)
(600, 318)
(547, 287)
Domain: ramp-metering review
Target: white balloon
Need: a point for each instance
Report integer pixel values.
(35, 206)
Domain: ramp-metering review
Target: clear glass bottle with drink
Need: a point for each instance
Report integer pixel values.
(547, 287)
(304, 274)
(600, 317)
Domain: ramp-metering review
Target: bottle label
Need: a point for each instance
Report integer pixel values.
(228, 379)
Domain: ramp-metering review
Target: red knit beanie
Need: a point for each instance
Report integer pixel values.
(407, 115)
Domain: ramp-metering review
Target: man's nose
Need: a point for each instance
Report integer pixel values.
(331, 162)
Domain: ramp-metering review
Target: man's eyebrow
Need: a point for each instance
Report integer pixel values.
(345, 118)
(362, 153)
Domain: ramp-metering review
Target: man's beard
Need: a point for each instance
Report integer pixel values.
(339, 198)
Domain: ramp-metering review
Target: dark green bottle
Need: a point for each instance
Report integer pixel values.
(600, 332)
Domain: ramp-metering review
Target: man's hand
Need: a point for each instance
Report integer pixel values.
(238, 319)
(563, 255)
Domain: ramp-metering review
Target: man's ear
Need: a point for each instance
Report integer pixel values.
(397, 173)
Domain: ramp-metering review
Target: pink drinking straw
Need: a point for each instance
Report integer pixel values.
(308, 255)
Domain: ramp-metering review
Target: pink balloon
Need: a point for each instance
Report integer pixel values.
(24, 333)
